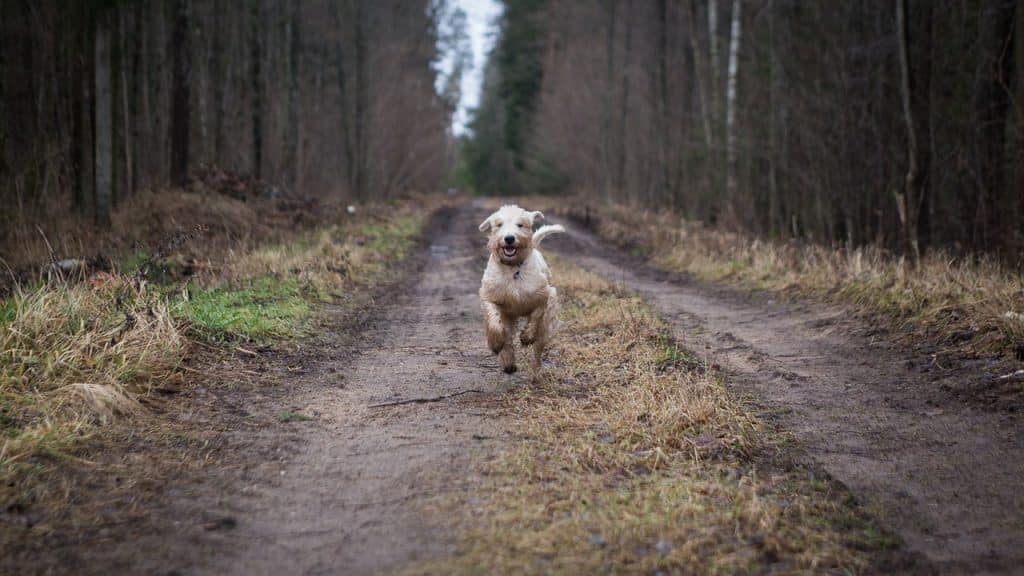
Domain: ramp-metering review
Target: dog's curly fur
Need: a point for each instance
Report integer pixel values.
(517, 284)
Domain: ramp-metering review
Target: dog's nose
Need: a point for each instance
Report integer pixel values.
(510, 239)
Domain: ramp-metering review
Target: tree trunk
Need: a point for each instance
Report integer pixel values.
(713, 60)
(181, 105)
(220, 77)
(122, 121)
(343, 103)
(609, 102)
(662, 125)
(256, 85)
(83, 134)
(703, 91)
(293, 163)
(774, 92)
(1017, 211)
(730, 101)
(991, 102)
(620, 151)
(103, 120)
(915, 80)
(362, 96)
(136, 86)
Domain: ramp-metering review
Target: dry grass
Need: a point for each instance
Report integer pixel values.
(976, 303)
(75, 356)
(636, 459)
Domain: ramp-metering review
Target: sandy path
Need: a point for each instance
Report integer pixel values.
(948, 477)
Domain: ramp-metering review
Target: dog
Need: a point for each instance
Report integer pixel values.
(517, 284)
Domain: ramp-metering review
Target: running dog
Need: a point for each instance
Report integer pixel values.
(517, 284)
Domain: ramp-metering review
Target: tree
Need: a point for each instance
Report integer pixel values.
(730, 100)
(181, 97)
(991, 102)
(103, 120)
(915, 88)
(360, 119)
(256, 40)
(294, 160)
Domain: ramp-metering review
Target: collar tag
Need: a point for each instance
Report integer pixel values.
(516, 275)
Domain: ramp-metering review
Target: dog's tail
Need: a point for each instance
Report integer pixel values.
(545, 231)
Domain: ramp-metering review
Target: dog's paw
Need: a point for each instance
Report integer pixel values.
(528, 337)
(510, 369)
(496, 347)
(495, 341)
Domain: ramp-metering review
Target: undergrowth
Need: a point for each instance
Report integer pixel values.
(635, 459)
(972, 304)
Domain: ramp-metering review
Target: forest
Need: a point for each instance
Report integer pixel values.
(511, 287)
(101, 100)
(895, 123)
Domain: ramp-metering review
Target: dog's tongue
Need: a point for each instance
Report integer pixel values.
(509, 250)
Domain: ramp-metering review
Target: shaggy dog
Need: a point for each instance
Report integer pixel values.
(517, 285)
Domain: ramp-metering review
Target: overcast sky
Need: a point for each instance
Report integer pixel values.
(480, 15)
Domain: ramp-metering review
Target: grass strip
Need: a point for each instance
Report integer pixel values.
(636, 459)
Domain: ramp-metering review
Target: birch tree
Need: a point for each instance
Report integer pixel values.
(730, 99)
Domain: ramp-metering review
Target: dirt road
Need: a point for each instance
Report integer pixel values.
(353, 496)
(948, 477)
(345, 491)
(402, 413)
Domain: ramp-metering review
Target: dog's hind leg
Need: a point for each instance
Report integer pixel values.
(544, 330)
(534, 325)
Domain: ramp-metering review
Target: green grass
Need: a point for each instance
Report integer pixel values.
(261, 309)
(7, 311)
(286, 416)
(134, 262)
(392, 237)
(274, 289)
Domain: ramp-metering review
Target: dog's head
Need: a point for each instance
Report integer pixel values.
(510, 234)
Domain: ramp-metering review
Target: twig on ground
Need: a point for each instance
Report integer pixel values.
(425, 400)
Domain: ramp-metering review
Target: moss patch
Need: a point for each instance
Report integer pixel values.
(259, 309)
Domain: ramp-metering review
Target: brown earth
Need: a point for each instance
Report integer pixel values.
(334, 452)
(945, 474)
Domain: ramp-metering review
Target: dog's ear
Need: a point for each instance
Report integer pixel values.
(537, 215)
(486, 224)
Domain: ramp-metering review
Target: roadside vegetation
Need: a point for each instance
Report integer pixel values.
(635, 458)
(80, 353)
(971, 304)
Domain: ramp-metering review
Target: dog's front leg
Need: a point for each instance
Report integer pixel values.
(493, 328)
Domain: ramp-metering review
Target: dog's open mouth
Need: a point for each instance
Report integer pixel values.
(509, 251)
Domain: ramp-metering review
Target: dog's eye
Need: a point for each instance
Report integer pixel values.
(520, 224)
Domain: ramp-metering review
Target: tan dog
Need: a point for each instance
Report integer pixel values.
(517, 285)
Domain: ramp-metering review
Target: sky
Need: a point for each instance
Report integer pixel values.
(480, 15)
